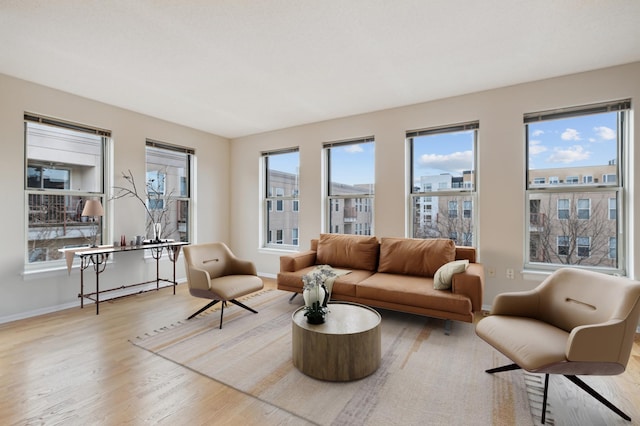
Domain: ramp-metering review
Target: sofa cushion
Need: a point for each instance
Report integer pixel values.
(344, 285)
(348, 251)
(444, 275)
(411, 291)
(409, 256)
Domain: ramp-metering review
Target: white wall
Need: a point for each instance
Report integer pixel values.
(500, 169)
(23, 296)
(228, 194)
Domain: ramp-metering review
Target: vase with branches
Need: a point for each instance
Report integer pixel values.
(154, 200)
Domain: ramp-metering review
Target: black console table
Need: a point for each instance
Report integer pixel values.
(98, 257)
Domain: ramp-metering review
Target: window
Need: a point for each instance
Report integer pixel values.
(563, 208)
(584, 246)
(539, 181)
(453, 209)
(554, 180)
(467, 209)
(576, 221)
(64, 168)
(584, 208)
(563, 245)
(168, 189)
(281, 189)
(613, 209)
(279, 201)
(443, 177)
(612, 247)
(350, 186)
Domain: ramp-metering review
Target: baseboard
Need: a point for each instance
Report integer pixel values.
(267, 275)
(76, 304)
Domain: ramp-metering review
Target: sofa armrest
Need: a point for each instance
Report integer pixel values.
(580, 345)
(471, 284)
(296, 261)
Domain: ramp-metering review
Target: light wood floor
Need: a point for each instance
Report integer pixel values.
(73, 367)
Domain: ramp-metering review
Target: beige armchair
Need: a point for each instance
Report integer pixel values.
(576, 322)
(213, 272)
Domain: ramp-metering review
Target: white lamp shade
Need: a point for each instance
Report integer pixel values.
(93, 208)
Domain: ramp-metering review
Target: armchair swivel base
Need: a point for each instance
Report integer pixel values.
(224, 303)
(577, 381)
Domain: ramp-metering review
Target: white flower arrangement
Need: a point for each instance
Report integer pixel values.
(315, 292)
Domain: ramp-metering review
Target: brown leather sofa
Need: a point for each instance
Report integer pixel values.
(393, 273)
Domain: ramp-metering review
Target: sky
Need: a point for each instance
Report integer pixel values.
(573, 142)
(353, 164)
(445, 153)
(350, 164)
(569, 142)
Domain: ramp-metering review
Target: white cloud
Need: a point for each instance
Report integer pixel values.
(535, 148)
(605, 133)
(570, 135)
(353, 148)
(538, 132)
(569, 155)
(455, 162)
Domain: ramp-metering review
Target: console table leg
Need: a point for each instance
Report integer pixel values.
(97, 291)
(81, 286)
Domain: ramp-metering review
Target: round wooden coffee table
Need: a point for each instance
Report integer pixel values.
(345, 347)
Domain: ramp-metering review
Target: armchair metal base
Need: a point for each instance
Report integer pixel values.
(578, 382)
(224, 303)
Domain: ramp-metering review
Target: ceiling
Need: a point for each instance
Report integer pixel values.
(240, 67)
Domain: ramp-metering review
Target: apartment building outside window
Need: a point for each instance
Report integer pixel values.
(443, 179)
(281, 190)
(573, 219)
(64, 167)
(168, 189)
(350, 186)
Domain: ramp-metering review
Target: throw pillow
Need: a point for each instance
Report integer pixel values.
(444, 275)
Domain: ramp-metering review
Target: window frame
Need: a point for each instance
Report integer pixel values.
(276, 201)
(55, 259)
(584, 190)
(168, 199)
(335, 201)
(425, 194)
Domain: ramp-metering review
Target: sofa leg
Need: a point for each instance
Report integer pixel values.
(292, 297)
(447, 327)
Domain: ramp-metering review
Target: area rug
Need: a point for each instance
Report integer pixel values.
(425, 376)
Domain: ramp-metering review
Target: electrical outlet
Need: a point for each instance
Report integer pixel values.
(510, 274)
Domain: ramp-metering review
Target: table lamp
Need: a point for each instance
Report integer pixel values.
(93, 208)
